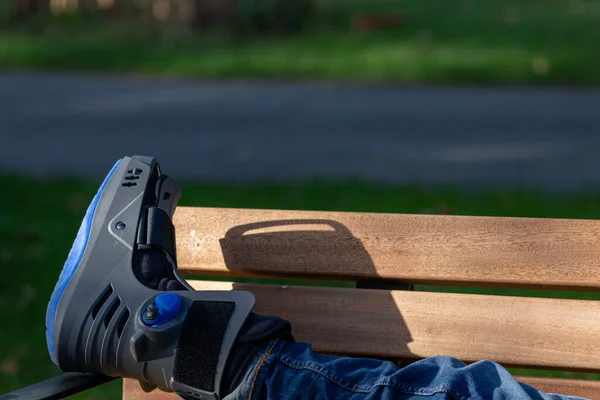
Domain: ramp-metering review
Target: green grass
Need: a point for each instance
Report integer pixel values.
(39, 219)
(443, 41)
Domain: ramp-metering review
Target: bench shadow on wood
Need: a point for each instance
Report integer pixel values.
(302, 246)
(296, 247)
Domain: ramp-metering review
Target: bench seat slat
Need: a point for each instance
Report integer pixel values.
(526, 252)
(571, 387)
(513, 331)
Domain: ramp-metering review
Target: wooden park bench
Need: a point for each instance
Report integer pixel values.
(380, 257)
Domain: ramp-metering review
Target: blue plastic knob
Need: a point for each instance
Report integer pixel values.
(168, 305)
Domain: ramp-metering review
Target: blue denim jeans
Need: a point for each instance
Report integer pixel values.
(286, 371)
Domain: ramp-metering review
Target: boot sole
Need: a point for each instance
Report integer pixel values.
(72, 263)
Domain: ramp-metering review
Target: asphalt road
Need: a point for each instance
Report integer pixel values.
(57, 124)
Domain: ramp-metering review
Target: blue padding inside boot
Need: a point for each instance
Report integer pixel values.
(73, 260)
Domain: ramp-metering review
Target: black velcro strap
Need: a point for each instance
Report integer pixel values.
(200, 342)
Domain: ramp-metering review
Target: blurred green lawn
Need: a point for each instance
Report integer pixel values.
(443, 41)
(39, 219)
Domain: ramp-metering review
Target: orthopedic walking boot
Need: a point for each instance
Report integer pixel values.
(120, 308)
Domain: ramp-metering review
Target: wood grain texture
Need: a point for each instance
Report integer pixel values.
(526, 252)
(133, 391)
(513, 331)
(571, 387)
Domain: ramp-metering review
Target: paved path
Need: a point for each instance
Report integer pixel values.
(78, 125)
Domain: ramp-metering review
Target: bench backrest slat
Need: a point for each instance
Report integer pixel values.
(483, 251)
(517, 331)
